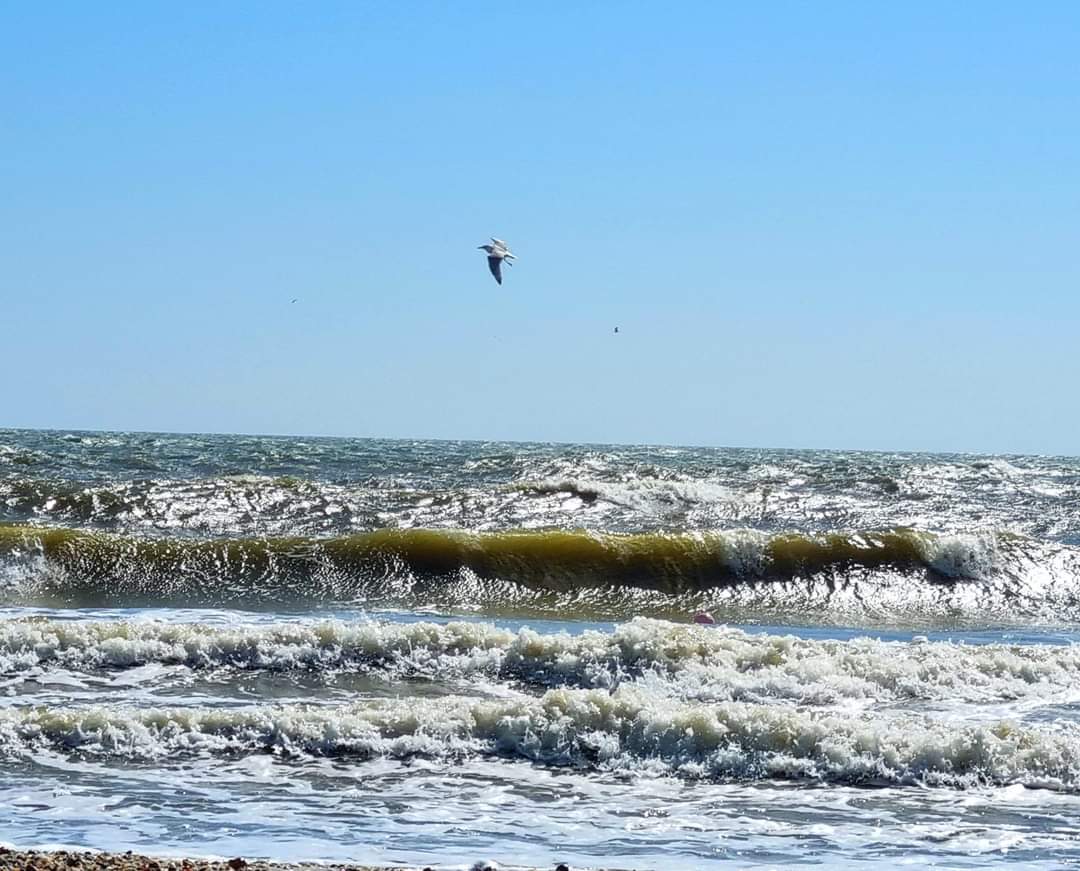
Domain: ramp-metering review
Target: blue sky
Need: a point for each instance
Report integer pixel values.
(840, 225)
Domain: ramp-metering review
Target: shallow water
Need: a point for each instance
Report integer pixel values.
(201, 651)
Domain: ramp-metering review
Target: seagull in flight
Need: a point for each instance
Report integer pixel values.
(497, 252)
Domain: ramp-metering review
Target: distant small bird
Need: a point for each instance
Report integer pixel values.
(616, 329)
(294, 300)
(497, 252)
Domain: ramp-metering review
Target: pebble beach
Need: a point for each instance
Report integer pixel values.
(66, 860)
(63, 860)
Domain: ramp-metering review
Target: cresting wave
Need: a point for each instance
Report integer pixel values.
(552, 559)
(596, 574)
(629, 730)
(684, 661)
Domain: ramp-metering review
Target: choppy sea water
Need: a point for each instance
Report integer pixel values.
(429, 652)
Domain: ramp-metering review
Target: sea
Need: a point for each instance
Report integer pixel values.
(434, 652)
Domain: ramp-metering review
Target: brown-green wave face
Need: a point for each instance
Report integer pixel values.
(556, 573)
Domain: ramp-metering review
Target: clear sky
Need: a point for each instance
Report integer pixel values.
(849, 225)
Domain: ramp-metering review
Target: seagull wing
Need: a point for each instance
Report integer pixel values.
(495, 265)
(499, 243)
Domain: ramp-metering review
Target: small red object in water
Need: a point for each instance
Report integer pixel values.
(704, 617)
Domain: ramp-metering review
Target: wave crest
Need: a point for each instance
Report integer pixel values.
(599, 574)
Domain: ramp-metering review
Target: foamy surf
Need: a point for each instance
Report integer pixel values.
(685, 662)
(628, 731)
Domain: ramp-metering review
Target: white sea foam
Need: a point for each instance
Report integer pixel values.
(972, 557)
(672, 498)
(686, 662)
(629, 730)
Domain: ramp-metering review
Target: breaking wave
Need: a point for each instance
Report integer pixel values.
(547, 571)
(714, 664)
(627, 731)
(646, 698)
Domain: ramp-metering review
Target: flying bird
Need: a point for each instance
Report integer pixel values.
(497, 252)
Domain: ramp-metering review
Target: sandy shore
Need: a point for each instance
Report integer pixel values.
(72, 860)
